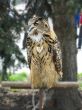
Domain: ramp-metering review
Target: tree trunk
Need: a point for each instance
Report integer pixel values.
(4, 69)
(4, 72)
(61, 99)
(69, 54)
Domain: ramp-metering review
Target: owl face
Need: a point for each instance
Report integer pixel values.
(36, 28)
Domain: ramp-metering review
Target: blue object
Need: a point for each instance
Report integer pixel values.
(76, 18)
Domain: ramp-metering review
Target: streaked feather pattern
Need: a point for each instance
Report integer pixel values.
(44, 53)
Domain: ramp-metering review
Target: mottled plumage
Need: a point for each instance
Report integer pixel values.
(44, 54)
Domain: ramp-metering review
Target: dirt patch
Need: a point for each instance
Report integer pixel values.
(17, 100)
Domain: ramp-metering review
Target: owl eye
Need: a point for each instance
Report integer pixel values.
(36, 23)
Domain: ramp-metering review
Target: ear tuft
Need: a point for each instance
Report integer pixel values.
(50, 23)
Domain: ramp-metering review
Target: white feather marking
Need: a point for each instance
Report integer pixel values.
(39, 49)
(37, 38)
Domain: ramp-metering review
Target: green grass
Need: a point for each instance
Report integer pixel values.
(18, 77)
(79, 76)
(80, 80)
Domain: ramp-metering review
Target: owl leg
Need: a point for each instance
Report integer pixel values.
(42, 98)
(33, 100)
(40, 103)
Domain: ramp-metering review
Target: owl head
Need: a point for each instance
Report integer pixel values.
(37, 27)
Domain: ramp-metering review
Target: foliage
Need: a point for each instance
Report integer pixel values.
(10, 28)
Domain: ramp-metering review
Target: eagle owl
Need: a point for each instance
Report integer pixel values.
(44, 54)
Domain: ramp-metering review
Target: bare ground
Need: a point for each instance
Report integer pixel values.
(18, 99)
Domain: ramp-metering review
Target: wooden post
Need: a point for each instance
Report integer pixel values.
(25, 85)
(16, 84)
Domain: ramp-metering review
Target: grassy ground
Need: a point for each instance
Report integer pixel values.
(18, 77)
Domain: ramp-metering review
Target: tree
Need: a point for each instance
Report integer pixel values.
(10, 27)
(62, 14)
